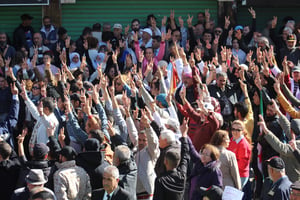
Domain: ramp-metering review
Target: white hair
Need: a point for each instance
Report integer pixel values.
(112, 170)
(168, 135)
(122, 152)
(162, 63)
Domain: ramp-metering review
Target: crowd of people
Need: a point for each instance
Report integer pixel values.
(177, 110)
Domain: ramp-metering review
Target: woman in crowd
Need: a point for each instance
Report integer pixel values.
(229, 166)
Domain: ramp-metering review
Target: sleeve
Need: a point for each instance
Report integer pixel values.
(185, 157)
(12, 118)
(103, 118)
(296, 153)
(277, 145)
(288, 107)
(161, 51)
(289, 95)
(285, 125)
(158, 190)
(195, 156)
(153, 144)
(32, 109)
(234, 172)
(74, 129)
(132, 131)
(119, 120)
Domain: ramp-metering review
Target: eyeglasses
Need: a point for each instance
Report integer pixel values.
(205, 154)
(36, 88)
(234, 129)
(218, 31)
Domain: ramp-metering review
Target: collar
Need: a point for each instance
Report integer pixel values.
(111, 194)
(239, 139)
(278, 181)
(43, 29)
(67, 164)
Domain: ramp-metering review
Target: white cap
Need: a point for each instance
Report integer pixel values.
(117, 26)
(148, 30)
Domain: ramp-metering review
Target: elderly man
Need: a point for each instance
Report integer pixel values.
(39, 47)
(35, 182)
(111, 190)
(127, 168)
(280, 187)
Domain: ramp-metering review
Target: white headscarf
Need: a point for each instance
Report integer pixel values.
(74, 65)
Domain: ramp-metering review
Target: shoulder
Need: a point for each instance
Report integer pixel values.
(98, 194)
(121, 194)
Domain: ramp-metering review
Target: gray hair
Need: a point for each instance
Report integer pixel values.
(122, 152)
(162, 63)
(221, 74)
(168, 135)
(112, 170)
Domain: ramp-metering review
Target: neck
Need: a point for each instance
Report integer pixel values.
(277, 176)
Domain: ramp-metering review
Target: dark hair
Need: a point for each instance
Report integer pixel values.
(97, 134)
(215, 154)
(156, 82)
(45, 195)
(135, 20)
(242, 108)
(92, 42)
(96, 27)
(5, 150)
(48, 53)
(106, 36)
(48, 103)
(173, 158)
(156, 37)
(86, 30)
(149, 17)
(46, 17)
(61, 31)
(218, 137)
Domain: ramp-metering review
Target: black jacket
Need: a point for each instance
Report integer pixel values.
(128, 176)
(119, 194)
(171, 184)
(93, 163)
(9, 173)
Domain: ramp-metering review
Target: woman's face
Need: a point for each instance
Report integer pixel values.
(205, 156)
(111, 72)
(75, 59)
(237, 131)
(149, 54)
(256, 99)
(226, 141)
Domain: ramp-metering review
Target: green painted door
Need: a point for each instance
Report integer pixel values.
(87, 12)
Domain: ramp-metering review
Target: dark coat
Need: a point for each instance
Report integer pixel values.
(128, 176)
(9, 173)
(20, 38)
(93, 163)
(160, 167)
(203, 175)
(119, 194)
(171, 185)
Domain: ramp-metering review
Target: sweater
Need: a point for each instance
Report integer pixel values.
(242, 152)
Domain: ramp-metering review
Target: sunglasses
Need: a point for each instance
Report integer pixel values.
(36, 88)
(234, 129)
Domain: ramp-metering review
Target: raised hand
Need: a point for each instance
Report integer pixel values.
(184, 127)
(189, 21)
(252, 12)
(14, 90)
(227, 22)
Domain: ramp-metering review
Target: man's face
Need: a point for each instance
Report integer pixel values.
(117, 32)
(46, 58)
(296, 76)
(2, 83)
(149, 54)
(47, 23)
(37, 39)
(207, 37)
(27, 22)
(187, 81)
(36, 90)
(135, 26)
(221, 82)
(155, 44)
(291, 44)
(176, 36)
(200, 18)
(109, 182)
(3, 40)
(143, 142)
(146, 36)
(270, 112)
(218, 31)
(198, 30)
(106, 28)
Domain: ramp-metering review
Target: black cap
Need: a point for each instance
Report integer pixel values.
(26, 17)
(276, 162)
(40, 150)
(68, 152)
(92, 144)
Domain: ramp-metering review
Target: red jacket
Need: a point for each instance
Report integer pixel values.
(199, 132)
(242, 152)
